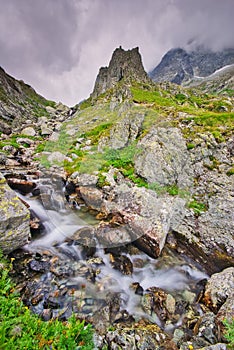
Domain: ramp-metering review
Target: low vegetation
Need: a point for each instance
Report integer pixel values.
(20, 329)
(197, 206)
(201, 112)
(229, 333)
(12, 140)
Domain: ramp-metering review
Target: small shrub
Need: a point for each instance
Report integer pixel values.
(181, 97)
(40, 147)
(96, 132)
(173, 190)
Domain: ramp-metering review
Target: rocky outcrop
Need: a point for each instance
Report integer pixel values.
(217, 82)
(218, 296)
(21, 106)
(125, 65)
(163, 158)
(210, 234)
(126, 130)
(144, 217)
(15, 218)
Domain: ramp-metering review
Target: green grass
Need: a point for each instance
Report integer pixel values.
(197, 207)
(20, 329)
(95, 133)
(190, 145)
(220, 125)
(229, 333)
(229, 92)
(146, 96)
(230, 172)
(61, 145)
(12, 140)
(85, 104)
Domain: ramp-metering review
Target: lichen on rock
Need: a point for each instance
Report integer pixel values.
(15, 218)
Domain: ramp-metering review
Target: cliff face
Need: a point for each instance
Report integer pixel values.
(125, 65)
(179, 66)
(175, 67)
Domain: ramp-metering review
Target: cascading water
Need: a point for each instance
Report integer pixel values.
(82, 282)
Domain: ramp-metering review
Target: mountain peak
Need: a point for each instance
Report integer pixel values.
(124, 64)
(180, 66)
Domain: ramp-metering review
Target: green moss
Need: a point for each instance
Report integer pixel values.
(230, 172)
(190, 145)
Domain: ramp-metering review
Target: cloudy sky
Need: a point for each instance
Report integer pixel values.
(58, 46)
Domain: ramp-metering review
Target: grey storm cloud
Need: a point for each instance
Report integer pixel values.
(58, 46)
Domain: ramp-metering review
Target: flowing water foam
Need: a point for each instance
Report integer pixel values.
(60, 223)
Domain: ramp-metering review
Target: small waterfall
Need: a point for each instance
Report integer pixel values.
(59, 220)
(171, 273)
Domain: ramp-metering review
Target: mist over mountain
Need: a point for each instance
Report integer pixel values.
(179, 66)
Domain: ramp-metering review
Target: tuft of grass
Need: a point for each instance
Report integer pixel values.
(229, 333)
(230, 172)
(20, 329)
(102, 181)
(140, 95)
(95, 133)
(197, 207)
(190, 145)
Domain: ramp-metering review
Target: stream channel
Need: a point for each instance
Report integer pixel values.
(56, 275)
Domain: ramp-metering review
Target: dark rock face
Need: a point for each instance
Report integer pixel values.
(123, 65)
(175, 66)
(179, 66)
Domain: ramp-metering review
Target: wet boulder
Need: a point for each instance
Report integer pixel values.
(91, 196)
(23, 186)
(121, 263)
(14, 219)
(147, 217)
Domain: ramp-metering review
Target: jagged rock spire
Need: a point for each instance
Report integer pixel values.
(125, 65)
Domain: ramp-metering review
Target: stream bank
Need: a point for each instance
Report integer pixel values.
(133, 300)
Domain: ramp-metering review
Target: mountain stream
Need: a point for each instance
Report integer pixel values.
(57, 276)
